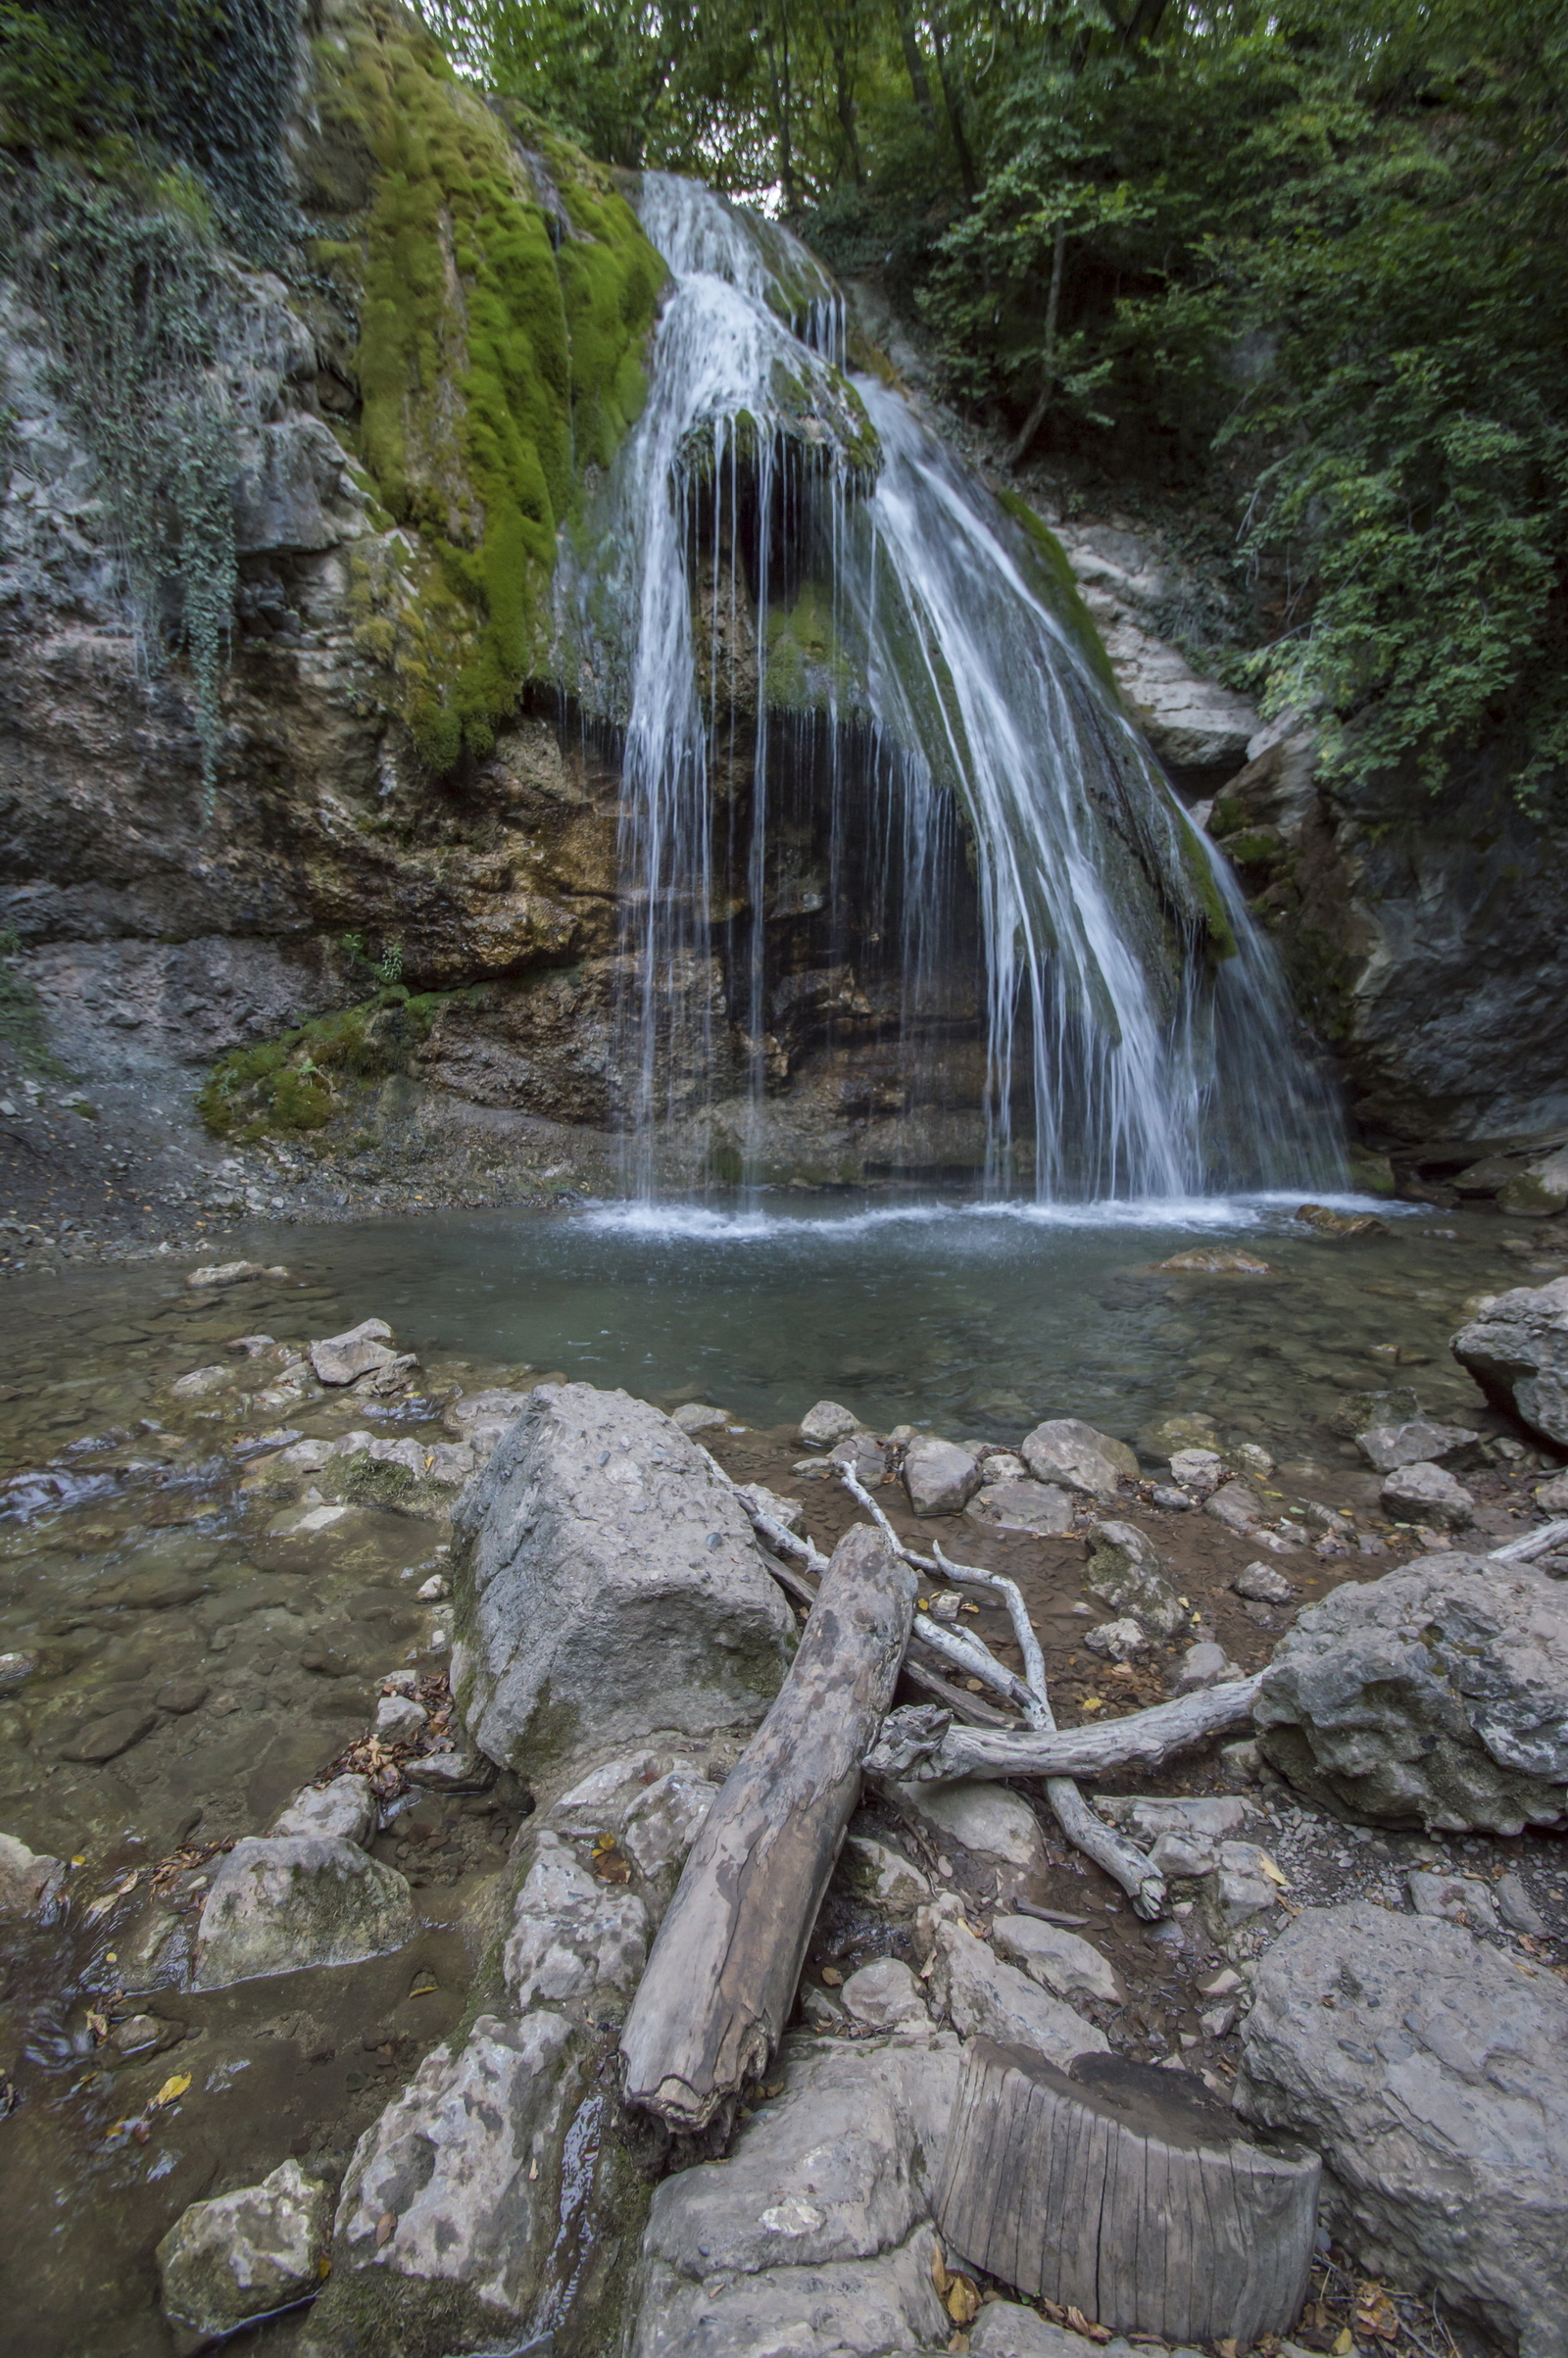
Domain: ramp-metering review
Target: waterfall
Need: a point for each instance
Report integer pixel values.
(885, 828)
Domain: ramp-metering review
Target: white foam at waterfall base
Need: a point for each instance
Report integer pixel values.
(1148, 1073)
(1250, 1216)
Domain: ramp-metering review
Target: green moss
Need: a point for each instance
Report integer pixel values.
(1211, 900)
(296, 1082)
(1066, 597)
(806, 664)
(493, 369)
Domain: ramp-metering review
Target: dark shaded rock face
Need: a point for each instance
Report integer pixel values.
(1426, 935)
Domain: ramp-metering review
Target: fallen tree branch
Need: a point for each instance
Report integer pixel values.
(1126, 1865)
(967, 1653)
(712, 2005)
(1534, 1543)
(912, 1744)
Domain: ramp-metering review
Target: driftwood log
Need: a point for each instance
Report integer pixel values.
(1128, 2192)
(713, 2002)
(914, 1744)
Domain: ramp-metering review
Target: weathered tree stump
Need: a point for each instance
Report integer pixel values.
(1128, 2192)
(713, 2002)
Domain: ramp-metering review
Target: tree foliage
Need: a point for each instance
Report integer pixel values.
(1309, 257)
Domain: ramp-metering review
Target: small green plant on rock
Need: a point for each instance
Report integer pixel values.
(298, 1081)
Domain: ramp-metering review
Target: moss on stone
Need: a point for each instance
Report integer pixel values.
(294, 1081)
(1222, 941)
(1066, 597)
(498, 357)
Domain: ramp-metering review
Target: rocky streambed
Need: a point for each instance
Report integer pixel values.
(338, 1830)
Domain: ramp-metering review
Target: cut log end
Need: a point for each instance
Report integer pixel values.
(1128, 2192)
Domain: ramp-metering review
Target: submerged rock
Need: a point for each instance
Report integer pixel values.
(245, 2254)
(481, 1418)
(279, 1904)
(1433, 2074)
(1517, 1350)
(1435, 1696)
(606, 1581)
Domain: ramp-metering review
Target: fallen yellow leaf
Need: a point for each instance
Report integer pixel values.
(1093, 1703)
(173, 2089)
(1344, 2343)
(1275, 1873)
(964, 2300)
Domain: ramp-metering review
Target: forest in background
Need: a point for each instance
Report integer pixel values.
(1304, 264)
(1300, 273)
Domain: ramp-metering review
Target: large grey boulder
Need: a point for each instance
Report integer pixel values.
(346, 1807)
(1432, 2071)
(982, 1997)
(1066, 1450)
(246, 2253)
(1014, 1505)
(985, 1818)
(344, 1358)
(605, 1583)
(285, 1903)
(1517, 1350)
(1124, 1573)
(1435, 1696)
(1056, 1959)
(814, 2236)
(458, 2182)
(939, 1476)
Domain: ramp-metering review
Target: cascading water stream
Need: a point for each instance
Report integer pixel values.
(1137, 1041)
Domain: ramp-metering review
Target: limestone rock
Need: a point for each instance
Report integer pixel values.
(1427, 1494)
(1458, 1899)
(885, 1995)
(606, 1581)
(979, 1816)
(572, 1936)
(1124, 1573)
(1199, 1469)
(1042, 1507)
(694, 1416)
(244, 2254)
(1322, 1219)
(398, 1719)
(884, 1875)
(861, 1453)
(984, 1997)
(827, 1422)
(479, 1418)
(282, 1903)
(29, 1879)
(840, 2167)
(789, 1513)
(1056, 1959)
(342, 1358)
(346, 1807)
(1237, 1506)
(1517, 1350)
(1066, 1450)
(1117, 1640)
(1201, 1817)
(1204, 1664)
(1263, 1583)
(1539, 1190)
(465, 2164)
(1552, 1496)
(1435, 1696)
(939, 1476)
(1415, 1443)
(839, 2309)
(661, 1825)
(1433, 2073)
